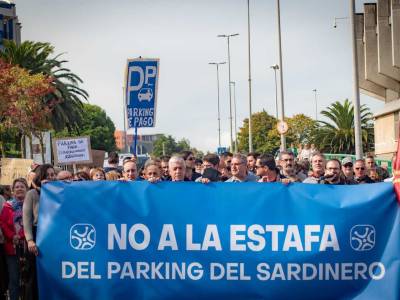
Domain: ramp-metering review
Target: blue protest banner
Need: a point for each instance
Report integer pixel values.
(141, 92)
(136, 240)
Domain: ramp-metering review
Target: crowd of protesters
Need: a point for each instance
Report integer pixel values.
(19, 205)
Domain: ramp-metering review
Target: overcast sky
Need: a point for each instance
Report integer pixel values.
(99, 36)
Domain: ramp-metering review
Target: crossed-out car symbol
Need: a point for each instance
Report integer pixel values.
(145, 94)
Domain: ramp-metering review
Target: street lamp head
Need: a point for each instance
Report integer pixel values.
(275, 67)
(217, 63)
(314, 90)
(227, 35)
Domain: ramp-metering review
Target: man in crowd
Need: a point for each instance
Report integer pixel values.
(318, 168)
(198, 165)
(347, 168)
(251, 162)
(130, 170)
(371, 165)
(266, 169)
(360, 172)
(226, 157)
(239, 170)
(113, 161)
(210, 169)
(286, 161)
(332, 173)
(177, 168)
(164, 168)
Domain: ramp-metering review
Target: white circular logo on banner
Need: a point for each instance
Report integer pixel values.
(82, 236)
(362, 237)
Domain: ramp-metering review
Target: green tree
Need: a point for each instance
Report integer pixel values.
(337, 134)
(262, 123)
(66, 98)
(97, 125)
(266, 138)
(302, 129)
(169, 146)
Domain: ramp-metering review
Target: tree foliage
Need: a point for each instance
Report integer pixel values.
(266, 138)
(66, 97)
(170, 146)
(337, 134)
(97, 125)
(21, 105)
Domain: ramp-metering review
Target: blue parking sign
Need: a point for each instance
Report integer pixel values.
(141, 92)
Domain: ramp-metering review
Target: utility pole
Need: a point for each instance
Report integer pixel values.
(356, 91)
(228, 36)
(281, 106)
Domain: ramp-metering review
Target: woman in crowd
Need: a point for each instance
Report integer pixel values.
(12, 227)
(97, 174)
(113, 175)
(44, 173)
(81, 176)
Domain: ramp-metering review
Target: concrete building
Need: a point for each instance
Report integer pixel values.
(10, 28)
(378, 49)
(144, 145)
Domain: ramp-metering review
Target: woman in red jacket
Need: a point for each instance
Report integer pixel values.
(12, 227)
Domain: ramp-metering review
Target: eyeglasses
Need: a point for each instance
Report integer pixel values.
(190, 158)
(359, 169)
(348, 165)
(228, 161)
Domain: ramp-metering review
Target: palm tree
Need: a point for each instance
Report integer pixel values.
(337, 135)
(66, 100)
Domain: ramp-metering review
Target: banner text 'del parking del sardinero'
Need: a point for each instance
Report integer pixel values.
(109, 240)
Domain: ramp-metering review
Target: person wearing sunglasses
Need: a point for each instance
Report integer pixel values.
(266, 169)
(360, 172)
(189, 159)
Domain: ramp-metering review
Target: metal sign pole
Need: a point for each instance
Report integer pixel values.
(135, 141)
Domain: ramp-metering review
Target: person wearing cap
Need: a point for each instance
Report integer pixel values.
(347, 168)
(266, 169)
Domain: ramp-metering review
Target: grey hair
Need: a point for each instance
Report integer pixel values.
(176, 159)
(241, 157)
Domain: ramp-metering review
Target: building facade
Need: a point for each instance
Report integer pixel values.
(145, 142)
(10, 27)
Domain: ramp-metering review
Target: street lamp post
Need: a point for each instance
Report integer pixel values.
(219, 115)
(250, 110)
(275, 68)
(356, 92)
(234, 109)
(316, 104)
(281, 106)
(228, 36)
